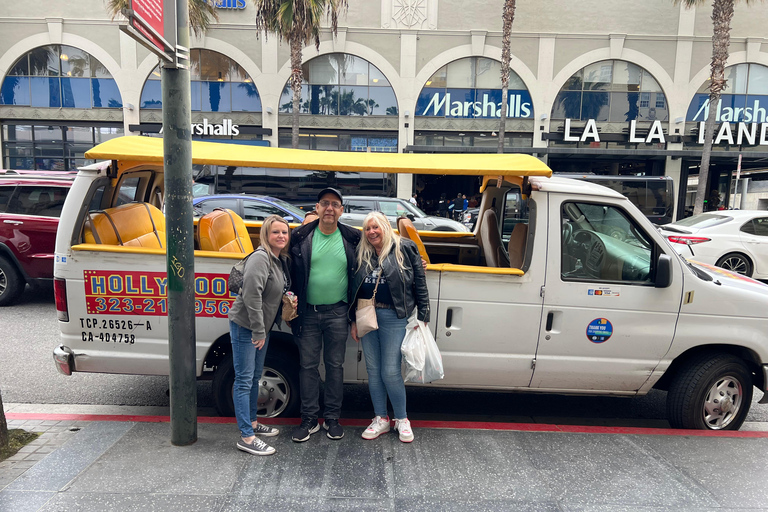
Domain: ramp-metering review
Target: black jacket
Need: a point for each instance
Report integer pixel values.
(407, 286)
(301, 257)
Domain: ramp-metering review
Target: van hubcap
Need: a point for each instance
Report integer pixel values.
(274, 393)
(722, 403)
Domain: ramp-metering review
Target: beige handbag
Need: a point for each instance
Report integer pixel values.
(365, 317)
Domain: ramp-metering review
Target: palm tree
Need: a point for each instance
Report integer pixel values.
(722, 14)
(507, 17)
(201, 13)
(298, 23)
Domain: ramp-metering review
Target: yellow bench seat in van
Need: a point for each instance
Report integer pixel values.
(132, 224)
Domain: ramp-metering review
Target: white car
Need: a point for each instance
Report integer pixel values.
(735, 240)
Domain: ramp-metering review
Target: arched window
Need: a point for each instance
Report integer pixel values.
(219, 84)
(744, 98)
(59, 76)
(340, 84)
(470, 88)
(613, 91)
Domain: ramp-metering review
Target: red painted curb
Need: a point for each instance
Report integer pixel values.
(454, 425)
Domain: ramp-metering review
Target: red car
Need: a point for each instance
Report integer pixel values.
(30, 205)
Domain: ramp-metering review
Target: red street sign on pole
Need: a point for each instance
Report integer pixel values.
(152, 23)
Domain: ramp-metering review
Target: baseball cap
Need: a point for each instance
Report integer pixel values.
(330, 190)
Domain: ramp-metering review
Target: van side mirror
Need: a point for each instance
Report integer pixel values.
(663, 271)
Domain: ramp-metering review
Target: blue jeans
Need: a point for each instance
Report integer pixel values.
(249, 364)
(326, 330)
(382, 361)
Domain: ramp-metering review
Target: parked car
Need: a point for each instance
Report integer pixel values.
(30, 205)
(255, 208)
(735, 240)
(357, 207)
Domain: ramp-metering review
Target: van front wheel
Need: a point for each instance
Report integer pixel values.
(278, 386)
(712, 392)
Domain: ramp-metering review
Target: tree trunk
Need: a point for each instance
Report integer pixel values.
(3, 426)
(296, 77)
(722, 13)
(508, 17)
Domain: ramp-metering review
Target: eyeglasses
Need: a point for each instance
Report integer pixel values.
(326, 204)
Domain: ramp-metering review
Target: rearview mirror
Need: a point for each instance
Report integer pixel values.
(663, 271)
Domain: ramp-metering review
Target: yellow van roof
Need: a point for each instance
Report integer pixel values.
(150, 150)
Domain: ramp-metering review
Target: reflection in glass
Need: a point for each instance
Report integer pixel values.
(219, 84)
(341, 84)
(637, 97)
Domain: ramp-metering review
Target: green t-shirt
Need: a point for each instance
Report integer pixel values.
(328, 269)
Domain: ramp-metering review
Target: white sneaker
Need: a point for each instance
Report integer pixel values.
(377, 427)
(403, 428)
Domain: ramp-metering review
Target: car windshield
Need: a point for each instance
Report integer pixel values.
(298, 212)
(703, 220)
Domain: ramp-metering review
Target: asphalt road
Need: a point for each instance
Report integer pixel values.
(29, 332)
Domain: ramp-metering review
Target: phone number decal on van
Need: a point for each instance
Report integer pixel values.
(145, 293)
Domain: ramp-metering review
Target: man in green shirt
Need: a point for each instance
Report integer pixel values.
(323, 261)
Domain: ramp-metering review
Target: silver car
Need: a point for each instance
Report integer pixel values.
(357, 207)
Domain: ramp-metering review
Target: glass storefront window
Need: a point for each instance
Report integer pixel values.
(744, 98)
(57, 76)
(52, 147)
(218, 84)
(634, 94)
(342, 84)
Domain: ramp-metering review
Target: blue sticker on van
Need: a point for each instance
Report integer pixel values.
(599, 330)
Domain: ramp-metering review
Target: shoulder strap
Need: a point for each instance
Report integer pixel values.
(381, 271)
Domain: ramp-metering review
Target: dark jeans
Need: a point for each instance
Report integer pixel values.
(326, 330)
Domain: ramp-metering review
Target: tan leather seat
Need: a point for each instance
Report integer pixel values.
(516, 247)
(408, 230)
(490, 240)
(223, 230)
(132, 224)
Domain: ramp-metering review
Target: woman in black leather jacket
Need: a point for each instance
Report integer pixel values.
(402, 287)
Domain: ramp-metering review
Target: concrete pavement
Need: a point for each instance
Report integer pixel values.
(92, 458)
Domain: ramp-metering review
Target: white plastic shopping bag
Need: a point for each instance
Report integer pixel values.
(423, 363)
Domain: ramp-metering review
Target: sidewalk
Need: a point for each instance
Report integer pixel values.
(105, 463)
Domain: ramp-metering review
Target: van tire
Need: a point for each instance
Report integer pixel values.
(695, 389)
(281, 373)
(11, 282)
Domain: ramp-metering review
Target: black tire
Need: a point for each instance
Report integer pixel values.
(704, 387)
(280, 386)
(11, 282)
(736, 262)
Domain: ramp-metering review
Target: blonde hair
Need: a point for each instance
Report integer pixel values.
(366, 251)
(266, 227)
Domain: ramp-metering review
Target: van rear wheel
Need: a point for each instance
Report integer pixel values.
(278, 386)
(713, 392)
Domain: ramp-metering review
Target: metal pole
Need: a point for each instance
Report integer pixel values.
(744, 188)
(177, 155)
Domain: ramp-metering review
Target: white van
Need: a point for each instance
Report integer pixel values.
(556, 303)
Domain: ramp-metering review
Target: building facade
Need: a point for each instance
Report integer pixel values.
(608, 87)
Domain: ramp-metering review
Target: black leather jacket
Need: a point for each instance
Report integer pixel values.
(301, 256)
(407, 286)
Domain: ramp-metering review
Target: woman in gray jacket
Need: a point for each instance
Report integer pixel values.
(265, 279)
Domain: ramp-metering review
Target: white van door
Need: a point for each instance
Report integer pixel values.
(605, 325)
(487, 325)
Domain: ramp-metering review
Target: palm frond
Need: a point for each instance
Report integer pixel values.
(202, 13)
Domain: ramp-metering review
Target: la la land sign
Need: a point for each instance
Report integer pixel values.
(750, 134)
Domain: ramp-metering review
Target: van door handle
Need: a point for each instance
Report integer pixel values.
(14, 222)
(550, 319)
(448, 318)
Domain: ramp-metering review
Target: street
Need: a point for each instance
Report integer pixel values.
(27, 375)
